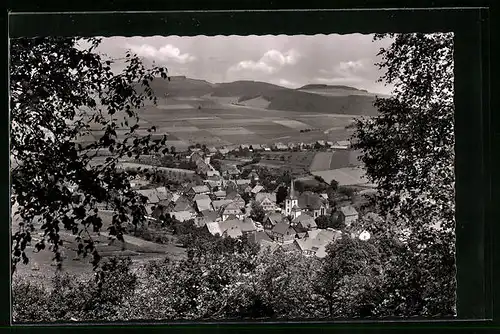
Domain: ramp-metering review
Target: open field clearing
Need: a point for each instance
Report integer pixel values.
(240, 131)
(321, 161)
(175, 106)
(344, 176)
(290, 123)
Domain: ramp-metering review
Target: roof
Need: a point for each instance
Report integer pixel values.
(182, 204)
(214, 228)
(209, 215)
(260, 197)
(203, 204)
(310, 200)
(220, 203)
(275, 217)
(200, 196)
(268, 245)
(257, 189)
(287, 247)
(260, 236)
(373, 216)
(243, 226)
(182, 215)
(305, 221)
(343, 143)
(220, 193)
(348, 211)
(281, 228)
(241, 182)
(231, 208)
(156, 195)
(200, 189)
(233, 232)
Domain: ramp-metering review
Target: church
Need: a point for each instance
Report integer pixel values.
(292, 203)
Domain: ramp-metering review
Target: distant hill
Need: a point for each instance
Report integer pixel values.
(323, 86)
(310, 98)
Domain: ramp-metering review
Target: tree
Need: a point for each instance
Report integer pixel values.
(281, 194)
(350, 274)
(334, 185)
(257, 212)
(408, 151)
(60, 91)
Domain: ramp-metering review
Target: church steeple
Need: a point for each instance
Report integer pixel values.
(291, 194)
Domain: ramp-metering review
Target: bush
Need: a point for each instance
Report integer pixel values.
(30, 302)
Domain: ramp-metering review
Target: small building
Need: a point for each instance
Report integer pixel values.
(304, 222)
(280, 147)
(221, 194)
(258, 188)
(197, 190)
(283, 232)
(203, 204)
(349, 215)
(272, 219)
(231, 209)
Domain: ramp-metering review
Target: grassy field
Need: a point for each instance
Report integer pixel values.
(41, 264)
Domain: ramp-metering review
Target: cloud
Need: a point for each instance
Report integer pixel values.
(272, 61)
(286, 83)
(167, 52)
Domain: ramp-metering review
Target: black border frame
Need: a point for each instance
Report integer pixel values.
(474, 144)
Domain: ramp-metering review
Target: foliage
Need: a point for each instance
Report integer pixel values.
(73, 298)
(257, 213)
(350, 274)
(60, 91)
(408, 150)
(281, 194)
(334, 220)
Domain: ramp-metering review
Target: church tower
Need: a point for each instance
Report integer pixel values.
(291, 200)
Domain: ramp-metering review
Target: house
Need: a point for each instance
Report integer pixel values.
(182, 204)
(291, 146)
(214, 181)
(304, 222)
(265, 148)
(272, 219)
(207, 216)
(283, 232)
(221, 194)
(260, 236)
(349, 215)
(312, 203)
(242, 182)
(260, 196)
(320, 143)
(232, 228)
(230, 170)
(203, 204)
(247, 225)
(253, 176)
(231, 209)
(236, 199)
(316, 241)
(341, 145)
(196, 190)
(258, 188)
(289, 247)
(218, 204)
(269, 246)
(245, 147)
(267, 205)
(248, 189)
(182, 215)
(212, 172)
(256, 147)
(280, 147)
(223, 151)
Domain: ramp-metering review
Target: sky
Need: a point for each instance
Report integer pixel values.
(289, 61)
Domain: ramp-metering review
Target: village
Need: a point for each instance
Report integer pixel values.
(229, 193)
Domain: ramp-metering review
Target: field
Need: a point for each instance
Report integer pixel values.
(324, 161)
(41, 264)
(222, 125)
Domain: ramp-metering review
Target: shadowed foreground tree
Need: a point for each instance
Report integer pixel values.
(61, 90)
(408, 150)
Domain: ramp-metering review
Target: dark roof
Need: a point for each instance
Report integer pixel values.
(261, 235)
(281, 228)
(310, 200)
(209, 215)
